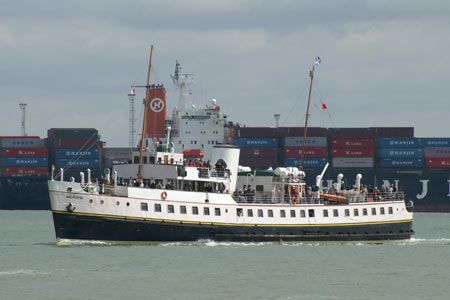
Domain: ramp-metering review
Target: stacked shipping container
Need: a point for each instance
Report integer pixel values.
(258, 152)
(352, 147)
(315, 153)
(436, 152)
(401, 153)
(75, 150)
(23, 156)
(353, 153)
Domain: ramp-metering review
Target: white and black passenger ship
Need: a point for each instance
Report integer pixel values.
(171, 200)
(197, 203)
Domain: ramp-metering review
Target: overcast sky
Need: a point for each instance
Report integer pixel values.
(384, 63)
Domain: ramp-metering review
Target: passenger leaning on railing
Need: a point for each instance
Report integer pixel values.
(249, 194)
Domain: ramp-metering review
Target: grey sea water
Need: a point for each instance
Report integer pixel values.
(32, 266)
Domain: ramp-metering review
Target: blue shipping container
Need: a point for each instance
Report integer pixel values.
(400, 143)
(435, 142)
(401, 153)
(308, 162)
(25, 161)
(81, 153)
(256, 142)
(401, 163)
(311, 141)
(78, 163)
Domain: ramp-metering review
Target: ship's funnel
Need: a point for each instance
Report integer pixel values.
(230, 154)
(157, 112)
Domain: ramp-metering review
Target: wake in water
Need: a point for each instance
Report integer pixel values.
(435, 241)
(211, 243)
(68, 242)
(21, 272)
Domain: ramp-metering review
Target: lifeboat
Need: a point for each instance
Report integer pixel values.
(193, 153)
(332, 197)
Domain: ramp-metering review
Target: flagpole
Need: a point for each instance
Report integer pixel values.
(311, 74)
(147, 94)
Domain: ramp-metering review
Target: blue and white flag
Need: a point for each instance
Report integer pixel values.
(318, 61)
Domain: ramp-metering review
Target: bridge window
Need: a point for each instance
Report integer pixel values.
(157, 207)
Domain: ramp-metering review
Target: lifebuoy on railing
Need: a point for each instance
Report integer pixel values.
(164, 195)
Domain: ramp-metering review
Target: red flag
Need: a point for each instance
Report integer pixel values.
(324, 106)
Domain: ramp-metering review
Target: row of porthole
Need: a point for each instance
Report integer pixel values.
(103, 202)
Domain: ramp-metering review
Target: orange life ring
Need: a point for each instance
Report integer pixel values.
(164, 195)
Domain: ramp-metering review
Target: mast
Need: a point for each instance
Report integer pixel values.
(311, 74)
(144, 125)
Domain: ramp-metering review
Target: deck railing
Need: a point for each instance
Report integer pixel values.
(213, 173)
(350, 197)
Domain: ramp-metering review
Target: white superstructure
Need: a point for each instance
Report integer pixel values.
(195, 126)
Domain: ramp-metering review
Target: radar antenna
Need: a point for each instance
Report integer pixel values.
(177, 71)
(181, 81)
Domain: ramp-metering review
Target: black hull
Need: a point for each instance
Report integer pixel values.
(107, 228)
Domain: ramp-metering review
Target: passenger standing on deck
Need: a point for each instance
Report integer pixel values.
(294, 195)
(200, 163)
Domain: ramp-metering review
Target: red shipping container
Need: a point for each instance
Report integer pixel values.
(299, 131)
(353, 152)
(438, 162)
(309, 152)
(353, 143)
(25, 152)
(76, 143)
(393, 132)
(352, 133)
(261, 152)
(25, 171)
